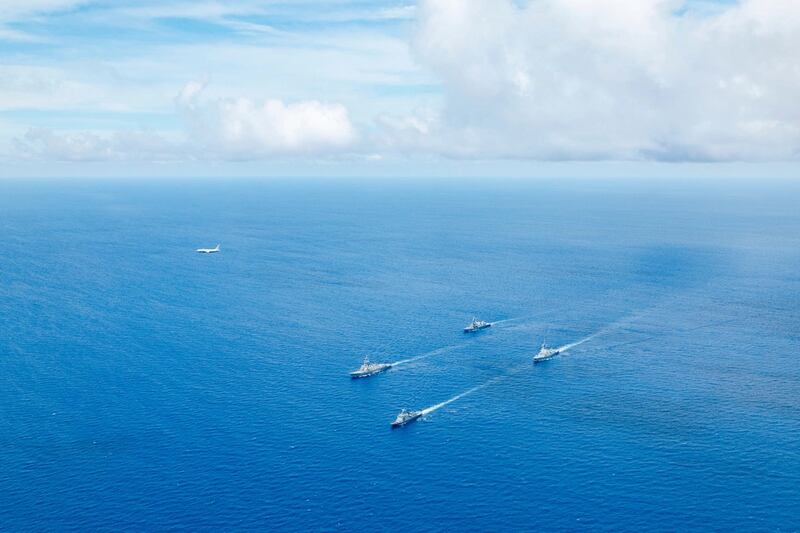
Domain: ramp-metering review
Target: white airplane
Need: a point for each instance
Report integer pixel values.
(208, 250)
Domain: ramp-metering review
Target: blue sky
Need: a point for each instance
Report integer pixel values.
(435, 87)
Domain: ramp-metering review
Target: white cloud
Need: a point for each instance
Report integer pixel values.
(243, 128)
(611, 79)
(211, 11)
(226, 128)
(15, 9)
(518, 79)
(46, 144)
(80, 88)
(232, 13)
(37, 87)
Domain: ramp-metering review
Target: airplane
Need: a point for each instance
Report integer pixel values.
(208, 250)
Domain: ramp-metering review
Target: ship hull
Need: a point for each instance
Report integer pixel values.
(539, 359)
(396, 425)
(362, 375)
(474, 329)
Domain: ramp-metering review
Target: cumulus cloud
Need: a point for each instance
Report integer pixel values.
(243, 128)
(668, 80)
(609, 79)
(232, 128)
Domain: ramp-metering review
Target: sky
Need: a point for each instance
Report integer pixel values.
(399, 88)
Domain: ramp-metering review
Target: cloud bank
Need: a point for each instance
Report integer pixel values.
(224, 129)
(609, 79)
(514, 80)
(83, 146)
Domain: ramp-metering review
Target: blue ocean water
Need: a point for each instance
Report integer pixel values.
(146, 387)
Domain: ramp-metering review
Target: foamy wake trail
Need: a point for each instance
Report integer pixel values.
(429, 410)
(433, 408)
(508, 320)
(437, 351)
(526, 319)
(578, 343)
(608, 329)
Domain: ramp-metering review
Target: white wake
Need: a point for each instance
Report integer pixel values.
(425, 355)
(429, 410)
(578, 343)
(517, 319)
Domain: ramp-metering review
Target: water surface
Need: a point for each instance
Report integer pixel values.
(146, 387)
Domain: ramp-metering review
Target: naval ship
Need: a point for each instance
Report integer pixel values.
(368, 369)
(545, 353)
(405, 417)
(476, 325)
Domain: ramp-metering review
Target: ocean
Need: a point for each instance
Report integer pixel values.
(145, 387)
